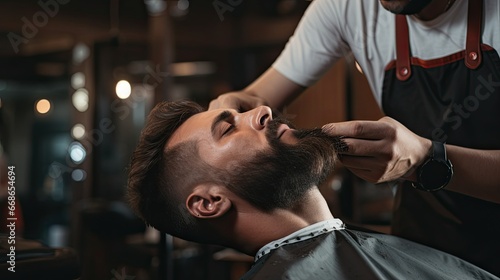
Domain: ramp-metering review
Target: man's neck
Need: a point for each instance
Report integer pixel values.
(435, 9)
(258, 229)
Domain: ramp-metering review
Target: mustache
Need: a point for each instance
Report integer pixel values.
(272, 127)
(276, 121)
(337, 141)
(315, 133)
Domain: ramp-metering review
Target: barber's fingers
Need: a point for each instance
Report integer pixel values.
(372, 169)
(360, 163)
(225, 101)
(381, 150)
(237, 100)
(367, 148)
(361, 129)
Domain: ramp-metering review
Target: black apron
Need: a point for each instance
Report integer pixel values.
(454, 99)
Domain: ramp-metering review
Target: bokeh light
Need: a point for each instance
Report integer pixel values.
(43, 106)
(78, 131)
(78, 80)
(123, 89)
(80, 100)
(77, 152)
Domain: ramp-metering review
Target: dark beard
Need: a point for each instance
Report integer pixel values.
(413, 7)
(279, 178)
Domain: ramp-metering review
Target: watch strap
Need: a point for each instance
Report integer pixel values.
(438, 155)
(439, 151)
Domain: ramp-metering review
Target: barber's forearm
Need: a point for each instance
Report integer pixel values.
(476, 172)
(274, 88)
(271, 88)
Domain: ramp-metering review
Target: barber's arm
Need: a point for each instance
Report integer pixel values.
(385, 150)
(271, 88)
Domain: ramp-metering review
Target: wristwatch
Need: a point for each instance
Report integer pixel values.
(436, 172)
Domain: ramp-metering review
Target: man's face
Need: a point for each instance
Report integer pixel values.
(226, 136)
(260, 159)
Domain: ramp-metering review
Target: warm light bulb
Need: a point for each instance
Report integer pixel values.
(80, 100)
(78, 131)
(78, 80)
(123, 89)
(43, 106)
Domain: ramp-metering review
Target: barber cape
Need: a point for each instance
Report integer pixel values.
(327, 250)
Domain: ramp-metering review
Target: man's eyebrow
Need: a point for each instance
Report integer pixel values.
(223, 116)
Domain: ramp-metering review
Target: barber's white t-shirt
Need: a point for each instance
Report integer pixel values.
(332, 29)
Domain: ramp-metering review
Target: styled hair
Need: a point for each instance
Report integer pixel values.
(156, 176)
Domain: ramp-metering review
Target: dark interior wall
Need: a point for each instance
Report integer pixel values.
(37, 40)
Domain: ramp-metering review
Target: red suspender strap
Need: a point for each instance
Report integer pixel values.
(473, 46)
(403, 69)
(473, 55)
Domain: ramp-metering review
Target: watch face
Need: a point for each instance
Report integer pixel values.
(435, 175)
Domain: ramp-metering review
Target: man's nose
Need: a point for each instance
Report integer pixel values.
(259, 117)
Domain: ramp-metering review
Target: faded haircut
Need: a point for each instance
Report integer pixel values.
(156, 176)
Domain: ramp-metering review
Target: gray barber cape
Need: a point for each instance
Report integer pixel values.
(352, 254)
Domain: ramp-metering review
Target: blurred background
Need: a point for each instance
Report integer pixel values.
(77, 80)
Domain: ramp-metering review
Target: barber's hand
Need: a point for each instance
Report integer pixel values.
(238, 100)
(380, 151)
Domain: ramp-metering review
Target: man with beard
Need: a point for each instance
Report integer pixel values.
(434, 70)
(249, 182)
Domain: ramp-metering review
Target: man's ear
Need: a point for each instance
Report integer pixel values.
(208, 201)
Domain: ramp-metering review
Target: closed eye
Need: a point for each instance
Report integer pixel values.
(222, 124)
(228, 129)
